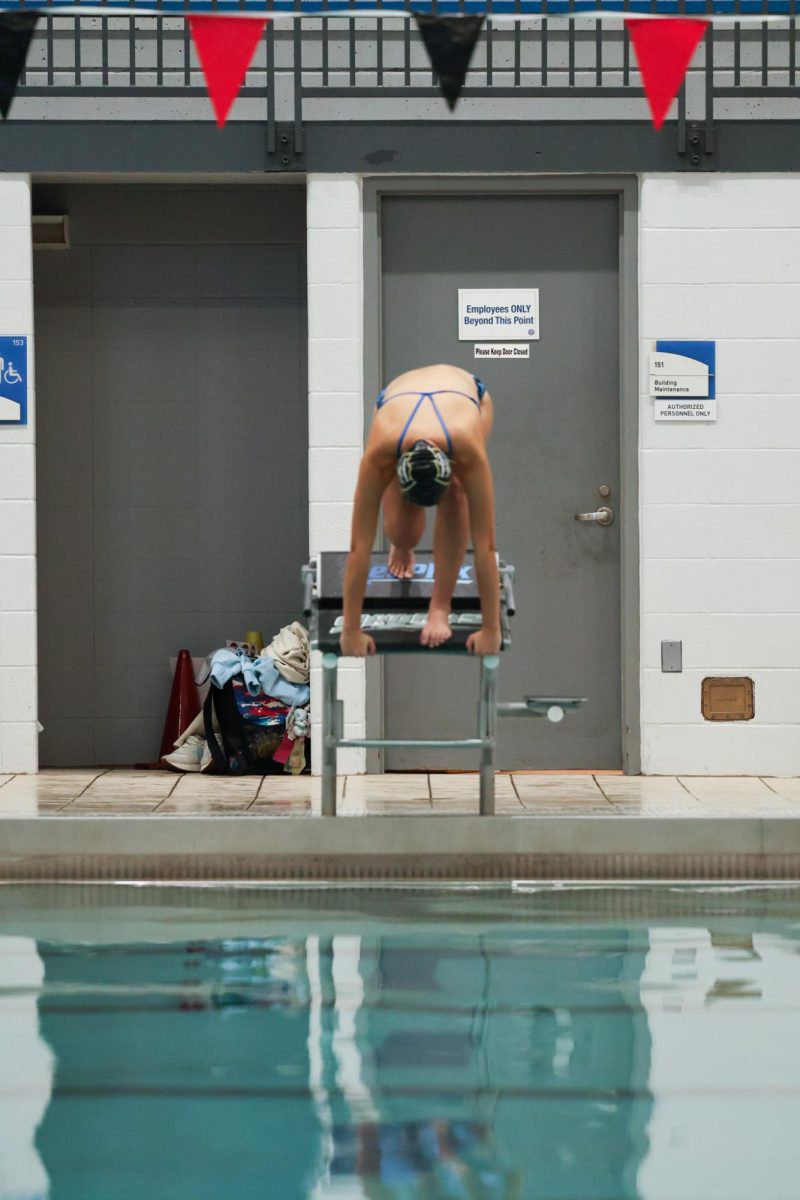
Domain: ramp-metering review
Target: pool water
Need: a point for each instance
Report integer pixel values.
(553, 1043)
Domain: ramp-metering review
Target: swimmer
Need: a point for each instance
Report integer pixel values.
(427, 446)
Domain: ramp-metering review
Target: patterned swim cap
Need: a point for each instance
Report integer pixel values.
(424, 473)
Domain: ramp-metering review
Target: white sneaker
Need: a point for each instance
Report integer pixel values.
(206, 762)
(187, 756)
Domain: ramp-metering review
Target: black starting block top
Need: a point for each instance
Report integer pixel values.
(394, 609)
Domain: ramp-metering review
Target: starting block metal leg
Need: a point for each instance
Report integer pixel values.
(487, 731)
(322, 581)
(330, 733)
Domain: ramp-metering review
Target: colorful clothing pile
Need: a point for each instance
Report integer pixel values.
(271, 690)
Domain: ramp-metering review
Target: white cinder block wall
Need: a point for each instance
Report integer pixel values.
(18, 737)
(720, 503)
(336, 404)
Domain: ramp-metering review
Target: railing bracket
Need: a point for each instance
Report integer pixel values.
(286, 147)
(695, 148)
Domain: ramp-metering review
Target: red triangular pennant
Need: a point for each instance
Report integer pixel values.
(225, 47)
(664, 50)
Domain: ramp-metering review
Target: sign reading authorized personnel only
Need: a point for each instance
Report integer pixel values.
(683, 381)
(498, 314)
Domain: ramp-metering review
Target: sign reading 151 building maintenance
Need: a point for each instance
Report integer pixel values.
(13, 380)
(498, 314)
(682, 380)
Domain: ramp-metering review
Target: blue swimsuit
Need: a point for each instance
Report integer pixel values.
(423, 396)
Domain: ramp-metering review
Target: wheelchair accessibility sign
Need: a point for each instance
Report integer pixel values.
(13, 381)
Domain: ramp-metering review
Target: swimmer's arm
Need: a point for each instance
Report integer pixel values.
(373, 477)
(476, 479)
(487, 416)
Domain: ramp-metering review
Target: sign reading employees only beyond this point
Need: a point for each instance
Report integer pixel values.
(498, 314)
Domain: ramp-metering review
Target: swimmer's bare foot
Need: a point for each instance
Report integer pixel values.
(436, 629)
(401, 563)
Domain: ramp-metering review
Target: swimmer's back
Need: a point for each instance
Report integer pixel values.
(440, 377)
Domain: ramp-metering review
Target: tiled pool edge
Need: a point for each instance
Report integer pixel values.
(370, 848)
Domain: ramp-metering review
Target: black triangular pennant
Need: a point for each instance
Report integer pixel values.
(16, 31)
(450, 42)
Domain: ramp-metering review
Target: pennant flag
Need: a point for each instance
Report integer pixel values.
(449, 42)
(664, 50)
(16, 31)
(225, 47)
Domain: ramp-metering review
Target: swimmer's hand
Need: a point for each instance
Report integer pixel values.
(485, 641)
(355, 644)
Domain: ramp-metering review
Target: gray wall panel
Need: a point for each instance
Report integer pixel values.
(120, 335)
(143, 272)
(172, 449)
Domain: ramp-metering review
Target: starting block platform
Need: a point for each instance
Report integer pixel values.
(394, 613)
(395, 609)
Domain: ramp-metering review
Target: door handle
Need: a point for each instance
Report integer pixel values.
(603, 516)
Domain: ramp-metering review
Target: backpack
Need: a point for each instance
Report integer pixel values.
(250, 730)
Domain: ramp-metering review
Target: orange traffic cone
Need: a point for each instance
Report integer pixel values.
(184, 703)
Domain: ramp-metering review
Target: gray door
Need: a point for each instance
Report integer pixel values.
(171, 446)
(555, 443)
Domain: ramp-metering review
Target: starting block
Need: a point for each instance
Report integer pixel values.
(394, 613)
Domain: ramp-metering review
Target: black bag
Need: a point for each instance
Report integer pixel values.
(239, 746)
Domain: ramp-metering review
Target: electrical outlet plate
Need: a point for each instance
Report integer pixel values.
(671, 657)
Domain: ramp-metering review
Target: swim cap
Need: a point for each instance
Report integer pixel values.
(424, 473)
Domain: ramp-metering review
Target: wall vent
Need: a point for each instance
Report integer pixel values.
(51, 233)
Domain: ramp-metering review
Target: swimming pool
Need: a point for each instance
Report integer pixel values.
(526, 1043)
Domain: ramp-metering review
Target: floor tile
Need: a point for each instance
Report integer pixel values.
(408, 787)
(711, 788)
(274, 788)
(456, 786)
(196, 805)
(657, 789)
(566, 791)
(279, 794)
(789, 789)
(212, 788)
(114, 786)
(109, 808)
(22, 795)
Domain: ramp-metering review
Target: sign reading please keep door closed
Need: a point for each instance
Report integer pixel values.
(498, 314)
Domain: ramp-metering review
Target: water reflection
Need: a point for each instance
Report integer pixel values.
(494, 1067)
(547, 1055)
(26, 1071)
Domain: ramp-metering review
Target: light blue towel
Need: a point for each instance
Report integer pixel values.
(274, 684)
(259, 674)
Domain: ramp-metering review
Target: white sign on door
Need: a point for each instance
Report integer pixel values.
(508, 350)
(498, 314)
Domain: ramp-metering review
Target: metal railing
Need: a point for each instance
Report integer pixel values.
(333, 67)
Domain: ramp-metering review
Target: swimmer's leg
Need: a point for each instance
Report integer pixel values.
(404, 525)
(450, 538)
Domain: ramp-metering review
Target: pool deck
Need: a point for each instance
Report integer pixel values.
(124, 824)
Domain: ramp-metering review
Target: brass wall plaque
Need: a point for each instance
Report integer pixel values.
(728, 699)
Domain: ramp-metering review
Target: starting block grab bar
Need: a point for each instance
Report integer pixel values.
(394, 610)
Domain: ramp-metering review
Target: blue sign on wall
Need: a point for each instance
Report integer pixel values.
(699, 352)
(13, 381)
